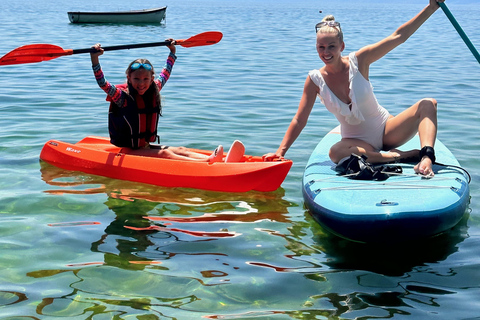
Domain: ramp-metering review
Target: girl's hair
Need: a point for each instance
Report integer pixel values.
(329, 25)
(152, 95)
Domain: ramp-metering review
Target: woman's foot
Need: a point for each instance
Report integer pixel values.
(424, 167)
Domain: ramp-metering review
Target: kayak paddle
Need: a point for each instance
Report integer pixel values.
(31, 53)
(460, 30)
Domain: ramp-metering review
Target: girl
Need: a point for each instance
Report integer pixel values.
(135, 109)
(343, 87)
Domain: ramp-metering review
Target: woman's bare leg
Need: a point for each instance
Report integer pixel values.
(346, 147)
(421, 118)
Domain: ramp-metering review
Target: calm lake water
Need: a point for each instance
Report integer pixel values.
(65, 251)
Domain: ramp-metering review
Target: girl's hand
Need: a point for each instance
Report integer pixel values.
(172, 44)
(94, 55)
(99, 49)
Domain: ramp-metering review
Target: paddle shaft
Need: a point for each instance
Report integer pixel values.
(460, 30)
(44, 52)
(122, 47)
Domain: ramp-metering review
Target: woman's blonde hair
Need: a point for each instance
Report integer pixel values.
(329, 25)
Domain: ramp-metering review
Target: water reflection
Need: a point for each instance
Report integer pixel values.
(11, 297)
(201, 250)
(180, 238)
(173, 208)
(388, 259)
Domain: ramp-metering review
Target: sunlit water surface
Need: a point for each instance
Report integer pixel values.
(65, 246)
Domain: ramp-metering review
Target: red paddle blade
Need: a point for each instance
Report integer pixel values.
(33, 53)
(201, 39)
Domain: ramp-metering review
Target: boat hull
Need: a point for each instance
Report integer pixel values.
(155, 15)
(96, 155)
(401, 208)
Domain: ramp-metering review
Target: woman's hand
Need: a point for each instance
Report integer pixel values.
(272, 157)
(435, 2)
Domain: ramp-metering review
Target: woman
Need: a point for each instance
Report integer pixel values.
(344, 88)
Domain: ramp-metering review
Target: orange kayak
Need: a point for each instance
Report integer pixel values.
(96, 155)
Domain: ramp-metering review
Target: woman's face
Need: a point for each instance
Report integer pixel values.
(329, 47)
(140, 80)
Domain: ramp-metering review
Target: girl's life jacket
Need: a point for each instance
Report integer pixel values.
(135, 124)
(133, 119)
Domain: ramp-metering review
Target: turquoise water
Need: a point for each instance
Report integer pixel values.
(64, 246)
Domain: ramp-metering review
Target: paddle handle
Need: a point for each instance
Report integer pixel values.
(122, 47)
(460, 30)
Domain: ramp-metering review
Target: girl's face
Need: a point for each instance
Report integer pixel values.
(140, 79)
(329, 47)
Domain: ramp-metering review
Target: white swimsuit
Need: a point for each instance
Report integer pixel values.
(364, 118)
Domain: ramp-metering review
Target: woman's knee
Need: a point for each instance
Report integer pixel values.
(337, 152)
(428, 104)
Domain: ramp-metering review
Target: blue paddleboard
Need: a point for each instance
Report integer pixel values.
(404, 207)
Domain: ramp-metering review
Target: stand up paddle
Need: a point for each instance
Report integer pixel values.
(460, 30)
(32, 53)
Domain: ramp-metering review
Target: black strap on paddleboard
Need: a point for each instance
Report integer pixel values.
(429, 152)
(356, 167)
